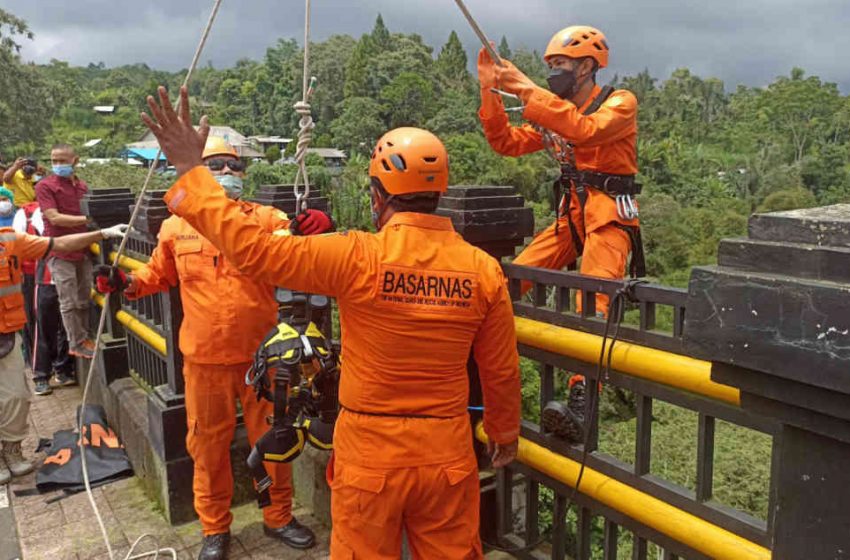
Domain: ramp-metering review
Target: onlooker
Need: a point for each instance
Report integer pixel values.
(7, 207)
(49, 340)
(22, 224)
(59, 197)
(20, 178)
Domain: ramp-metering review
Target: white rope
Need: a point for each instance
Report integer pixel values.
(130, 554)
(305, 124)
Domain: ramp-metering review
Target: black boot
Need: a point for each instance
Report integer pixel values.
(293, 534)
(566, 420)
(215, 547)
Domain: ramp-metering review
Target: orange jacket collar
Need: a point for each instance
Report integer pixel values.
(415, 219)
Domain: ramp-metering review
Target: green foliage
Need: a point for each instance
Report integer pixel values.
(349, 196)
(119, 174)
(273, 154)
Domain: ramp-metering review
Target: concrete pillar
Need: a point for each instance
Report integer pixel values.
(774, 318)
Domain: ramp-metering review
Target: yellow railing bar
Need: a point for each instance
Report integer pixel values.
(674, 370)
(129, 263)
(137, 327)
(677, 524)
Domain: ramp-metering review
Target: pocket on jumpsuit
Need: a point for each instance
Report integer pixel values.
(459, 474)
(361, 493)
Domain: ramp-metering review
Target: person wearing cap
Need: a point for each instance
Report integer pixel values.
(414, 299)
(226, 314)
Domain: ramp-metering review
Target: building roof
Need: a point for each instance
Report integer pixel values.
(146, 154)
(327, 153)
(104, 108)
(92, 143)
(244, 147)
(270, 139)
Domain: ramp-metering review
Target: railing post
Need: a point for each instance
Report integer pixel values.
(774, 318)
(496, 220)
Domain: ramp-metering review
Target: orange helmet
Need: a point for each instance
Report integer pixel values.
(218, 146)
(410, 160)
(579, 41)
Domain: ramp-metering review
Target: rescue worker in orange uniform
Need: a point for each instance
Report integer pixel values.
(15, 248)
(226, 313)
(592, 133)
(413, 299)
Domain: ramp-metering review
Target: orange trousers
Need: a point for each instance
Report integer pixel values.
(211, 394)
(606, 250)
(435, 505)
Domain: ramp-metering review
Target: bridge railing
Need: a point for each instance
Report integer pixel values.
(539, 513)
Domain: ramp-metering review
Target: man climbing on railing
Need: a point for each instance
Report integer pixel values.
(413, 299)
(591, 132)
(226, 314)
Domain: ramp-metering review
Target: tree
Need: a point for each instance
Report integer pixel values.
(359, 125)
(408, 100)
(504, 50)
(273, 154)
(451, 64)
(381, 39)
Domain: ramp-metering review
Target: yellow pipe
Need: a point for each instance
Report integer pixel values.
(136, 327)
(129, 263)
(679, 525)
(662, 367)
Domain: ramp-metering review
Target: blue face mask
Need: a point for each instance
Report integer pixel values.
(232, 184)
(38, 178)
(63, 170)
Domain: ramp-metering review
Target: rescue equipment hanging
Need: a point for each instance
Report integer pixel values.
(297, 369)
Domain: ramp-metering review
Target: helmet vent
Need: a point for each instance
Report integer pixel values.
(604, 44)
(598, 48)
(430, 159)
(398, 162)
(386, 165)
(586, 36)
(390, 144)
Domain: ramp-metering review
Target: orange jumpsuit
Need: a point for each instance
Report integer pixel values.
(413, 299)
(606, 142)
(226, 314)
(14, 249)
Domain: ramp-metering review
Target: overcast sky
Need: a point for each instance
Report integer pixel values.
(740, 41)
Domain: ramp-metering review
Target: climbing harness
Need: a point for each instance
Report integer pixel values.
(305, 123)
(297, 370)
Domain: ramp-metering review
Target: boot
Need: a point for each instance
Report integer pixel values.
(215, 547)
(566, 419)
(5, 473)
(293, 534)
(14, 459)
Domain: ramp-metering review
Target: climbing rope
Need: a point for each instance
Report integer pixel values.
(102, 322)
(305, 123)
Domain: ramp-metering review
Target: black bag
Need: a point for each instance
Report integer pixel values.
(106, 459)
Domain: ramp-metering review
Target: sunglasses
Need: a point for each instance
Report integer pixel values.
(233, 164)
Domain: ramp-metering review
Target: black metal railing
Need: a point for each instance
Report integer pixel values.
(530, 502)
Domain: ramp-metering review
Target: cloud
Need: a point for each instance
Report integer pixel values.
(749, 42)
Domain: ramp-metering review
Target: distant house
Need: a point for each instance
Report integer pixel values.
(333, 158)
(266, 142)
(244, 147)
(104, 109)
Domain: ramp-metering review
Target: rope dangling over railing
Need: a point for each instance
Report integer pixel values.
(305, 124)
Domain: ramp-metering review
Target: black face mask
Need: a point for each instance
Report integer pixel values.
(562, 83)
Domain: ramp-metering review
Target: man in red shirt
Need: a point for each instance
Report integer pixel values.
(59, 197)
